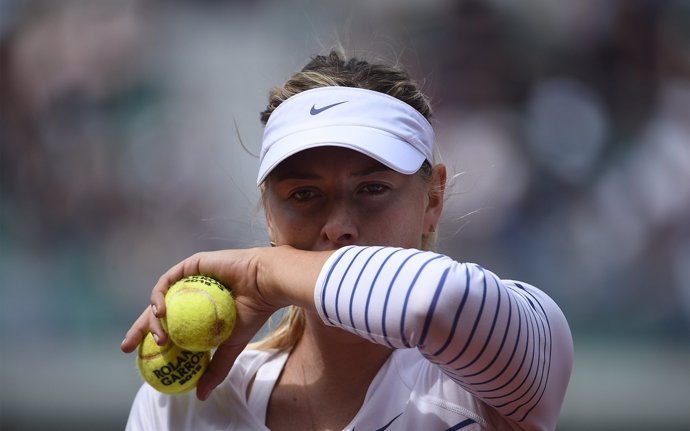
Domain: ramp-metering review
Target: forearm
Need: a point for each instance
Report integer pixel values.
(287, 276)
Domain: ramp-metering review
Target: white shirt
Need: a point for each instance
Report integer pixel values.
(471, 351)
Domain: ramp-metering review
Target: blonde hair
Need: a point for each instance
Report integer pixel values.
(329, 70)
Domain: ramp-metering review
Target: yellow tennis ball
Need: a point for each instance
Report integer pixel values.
(170, 369)
(200, 313)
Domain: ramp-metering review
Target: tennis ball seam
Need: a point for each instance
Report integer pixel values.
(190, 290)
(217, 322)
(199, 314)
(163, 350)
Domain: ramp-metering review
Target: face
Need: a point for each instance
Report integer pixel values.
(328, 197)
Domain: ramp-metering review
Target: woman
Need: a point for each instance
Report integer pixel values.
(380, 334)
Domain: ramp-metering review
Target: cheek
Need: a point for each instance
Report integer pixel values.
(399, 226)
(293, 228)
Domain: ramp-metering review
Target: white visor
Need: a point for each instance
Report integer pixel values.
(376, 124)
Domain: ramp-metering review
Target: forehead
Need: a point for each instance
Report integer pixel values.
(326, 161)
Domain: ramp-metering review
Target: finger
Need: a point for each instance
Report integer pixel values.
(187, 267)
(157, 299)
(144, 324)
(217, 370)
(156, 329)
(136, 333)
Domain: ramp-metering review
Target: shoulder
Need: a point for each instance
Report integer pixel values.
(554, 324)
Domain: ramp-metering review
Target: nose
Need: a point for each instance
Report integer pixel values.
(340, 226)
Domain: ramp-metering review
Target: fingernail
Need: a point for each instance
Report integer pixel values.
(154, 309)
(155, 336)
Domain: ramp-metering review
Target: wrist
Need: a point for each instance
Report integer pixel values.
(287, 276)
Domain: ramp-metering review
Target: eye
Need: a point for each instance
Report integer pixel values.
(375, 189)
(303, 195)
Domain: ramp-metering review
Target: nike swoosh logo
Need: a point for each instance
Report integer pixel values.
(314, 110)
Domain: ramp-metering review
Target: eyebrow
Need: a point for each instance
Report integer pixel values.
(378, 167)
(298, 175)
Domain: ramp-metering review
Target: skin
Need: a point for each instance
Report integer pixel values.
(316, 202)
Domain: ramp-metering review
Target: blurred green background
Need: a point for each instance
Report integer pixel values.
(566, 125)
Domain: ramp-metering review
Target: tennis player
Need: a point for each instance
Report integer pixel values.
(382, 333)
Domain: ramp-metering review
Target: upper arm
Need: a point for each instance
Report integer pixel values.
(507, 343)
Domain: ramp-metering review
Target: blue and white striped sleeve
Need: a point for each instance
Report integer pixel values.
(506, 342)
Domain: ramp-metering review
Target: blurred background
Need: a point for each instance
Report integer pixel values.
(128, 138)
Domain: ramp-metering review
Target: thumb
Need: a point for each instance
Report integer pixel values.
(218, 369)
(225, 355)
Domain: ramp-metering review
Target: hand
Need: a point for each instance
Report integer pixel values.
(262, 281)
(236, 269)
